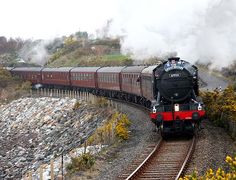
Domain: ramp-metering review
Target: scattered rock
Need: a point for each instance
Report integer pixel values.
(33, 130)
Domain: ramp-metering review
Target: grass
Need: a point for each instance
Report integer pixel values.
(73, 59)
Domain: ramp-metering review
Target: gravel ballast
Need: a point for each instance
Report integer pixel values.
(213, 145)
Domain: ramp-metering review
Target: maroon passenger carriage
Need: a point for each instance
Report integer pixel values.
(56, 77)
(130, 83)
(32, 74)
(147, 79)
(109, 81)
(84, 78)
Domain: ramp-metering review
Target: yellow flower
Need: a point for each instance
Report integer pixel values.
(234, 163)
(228, 159)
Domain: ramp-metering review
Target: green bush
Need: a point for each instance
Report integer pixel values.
(5, 78)
(77, 105)
(101, 102)
(81, 163)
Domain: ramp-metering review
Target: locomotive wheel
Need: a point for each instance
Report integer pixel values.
(163, 134)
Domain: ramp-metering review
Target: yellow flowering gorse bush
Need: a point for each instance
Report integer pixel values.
(219, 174)
(220, 106)
(116, 127)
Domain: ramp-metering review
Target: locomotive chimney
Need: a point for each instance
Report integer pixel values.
(174, 58)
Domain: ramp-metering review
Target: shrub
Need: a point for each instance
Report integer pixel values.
(220, 106)
(218, 174)
(77, 105)
(115, 127)
(5, 78)
(81, 163)
(101, 102)
(26, 86)
(122, 127)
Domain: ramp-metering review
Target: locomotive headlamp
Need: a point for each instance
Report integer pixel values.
(154, 110)
(199, 107)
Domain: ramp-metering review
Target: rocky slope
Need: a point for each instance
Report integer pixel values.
(34, 130)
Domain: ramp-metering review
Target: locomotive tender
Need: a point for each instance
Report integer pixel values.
(169, 89)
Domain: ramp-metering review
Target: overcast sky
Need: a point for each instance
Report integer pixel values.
(195, 29)
(49, 18)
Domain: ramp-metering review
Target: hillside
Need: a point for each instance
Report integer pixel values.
(82, 51)
(78, 49)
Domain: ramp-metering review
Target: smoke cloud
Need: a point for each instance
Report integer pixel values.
(202, 30)
(35, 52)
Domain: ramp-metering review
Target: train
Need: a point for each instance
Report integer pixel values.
(168, 89)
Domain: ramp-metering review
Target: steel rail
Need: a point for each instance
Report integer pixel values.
(167, 160)
(132, 175)
(190, 152)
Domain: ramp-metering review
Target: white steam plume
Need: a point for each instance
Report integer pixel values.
(35, 52)
(203, 30)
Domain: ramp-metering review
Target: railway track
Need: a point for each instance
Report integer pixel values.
(165, 160)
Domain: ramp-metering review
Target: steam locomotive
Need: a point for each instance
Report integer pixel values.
(169, 89)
